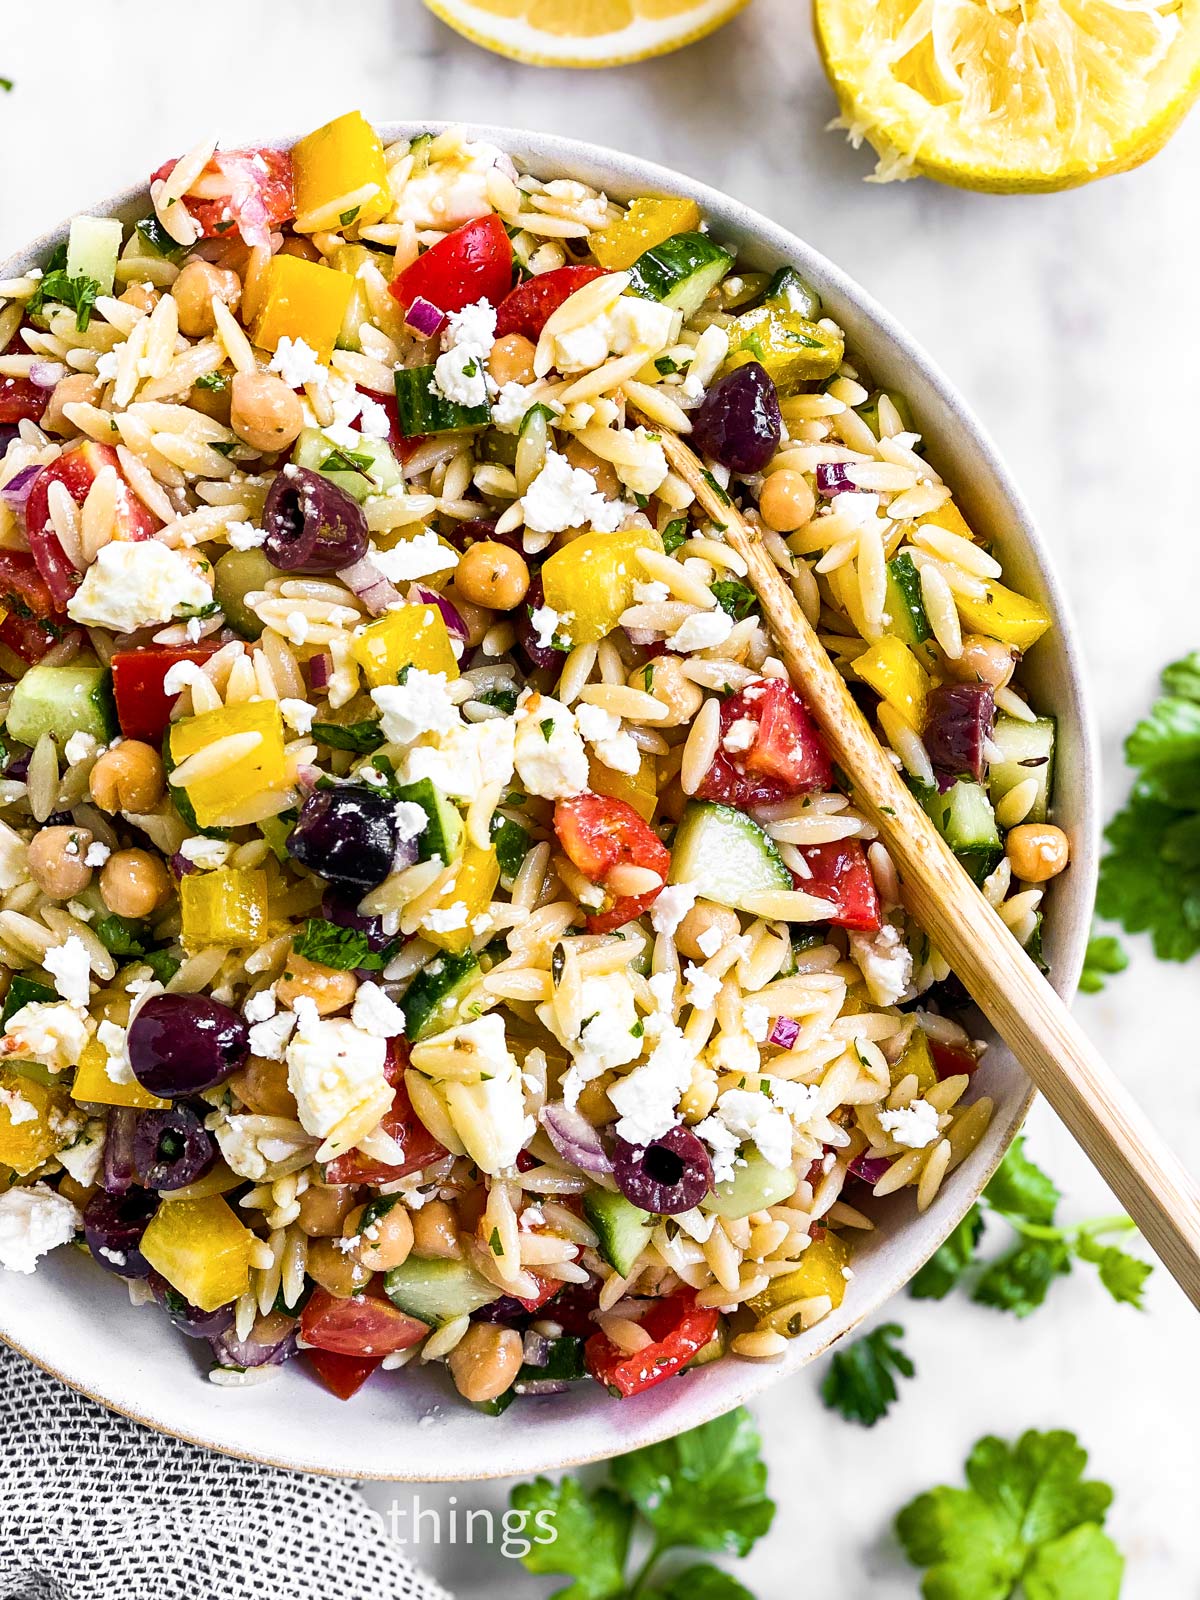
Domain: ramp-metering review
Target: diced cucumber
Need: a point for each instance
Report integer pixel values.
(869, 411)
(564, 1364)
(437, 998)
(444, 832)
(437, 1290)
(157, 240)
(725, 855)
(623, 1230)
(716, 1347)
(348, 258)
(499, 449)
(905, 607)
(681, 272)
(93, 246)
(787, 291)
(422, 410)
(275, 831)
(965, 819)
(236, 574)
(61, 701)
(755, 1185)
(1026, 751)
(370, 468)
(498, 1406)
(23, 991)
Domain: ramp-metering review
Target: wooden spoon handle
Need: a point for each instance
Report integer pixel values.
(1113, 1131)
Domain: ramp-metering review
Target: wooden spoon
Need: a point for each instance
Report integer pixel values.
(1114, 1133)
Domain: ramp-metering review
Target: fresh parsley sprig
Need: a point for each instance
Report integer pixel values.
(705, 1490)
(1104, 958)
(861, 1381)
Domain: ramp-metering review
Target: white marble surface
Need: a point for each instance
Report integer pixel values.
(1072, 325)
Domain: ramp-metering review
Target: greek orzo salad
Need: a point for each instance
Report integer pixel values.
(432, 926)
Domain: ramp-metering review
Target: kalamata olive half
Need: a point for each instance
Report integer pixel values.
(670, 1175)
(739, 422)
(113, 1226)
(189, 1319)
(538, 655)
(180, 1044)
(348, 834)
(959, 719)
(311, 524)
(172, 1148)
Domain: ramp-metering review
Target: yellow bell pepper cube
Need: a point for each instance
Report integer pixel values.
(589, 582)
(791, 348)
(648, 222)
(93, 1086)
(916, 1059)
(409, 636)
(1002, 614)
(472, 887)
(340, 176)
(201, 1249)
(303, 300)
(819, 1272)
(892, 670)
(217, 800)
(950, 518)
(638, 789)
(26, 1141)
(225, 907)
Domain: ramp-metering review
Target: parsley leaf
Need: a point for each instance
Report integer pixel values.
(860, 1382)
(162, 964)
(1150, 878)
(344, 948)
(347, 461)
(1020, 1280)
(1019, 1188)
(511, 843)
(736, 598)
(361, 737)
(1026, 1520)
(950, 1260)
(122, 936)
(217, 382)
(701, 1583)
(79, 294)
(503, 699)
(157, 239)
(591, 1540)
(7, 84)
(1105, 955)
(674, 534)
(705, 1489)
(1123, 1275)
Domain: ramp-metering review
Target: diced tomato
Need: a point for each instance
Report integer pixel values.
(841, 874)
(366, 1324)
(532, 303)
(599, 833)
(34, 622)
(259, 195)
(405, 1127)
(788, 755)
(472, 263)
(342, 1375)
(143, 706)
(949, 1060)
(547, 1289)
(574, 1305)
(21, 400)
(77, 470)
(678, 1327)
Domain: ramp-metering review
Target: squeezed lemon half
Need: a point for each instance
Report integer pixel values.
(584, 33)
(1011, 95)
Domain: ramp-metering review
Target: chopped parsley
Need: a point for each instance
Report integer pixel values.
(57, 286)
(1105, 956)
(716, 488)
(735, 598)
(861, 1381)
(346, 949)
(547, 728)
(360, 737)
(156, 238)
(347, 217)
(347, 461)
(674, 534)
(511, 844)
(503, 699)
(666, 366)
(218, 382)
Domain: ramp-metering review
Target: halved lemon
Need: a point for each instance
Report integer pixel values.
(584, 33)
(1011, 95)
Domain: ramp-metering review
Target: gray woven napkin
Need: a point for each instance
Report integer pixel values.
(94, 1507)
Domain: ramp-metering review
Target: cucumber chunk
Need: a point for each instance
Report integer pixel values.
(716, 1347)
(681, 272)
(61, 701)
(905, 607)
(436, 1290)
(623, 1230)
(965, 819)
(370, 468)
(422, 410)
(564, 1364)
(92, 249)
(755, 1185)
(235, 575)
(438, 997)
(444, 832)
(1026, 751)
(788, 291)
(725, 855)
(23, 991)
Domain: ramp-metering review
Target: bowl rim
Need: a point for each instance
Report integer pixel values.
(625, 173)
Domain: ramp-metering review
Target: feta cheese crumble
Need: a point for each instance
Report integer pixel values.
(563, 496)
(245, 536)
(649, 1097)
(548, 752)
(460, 373)
(411, 559)
(33, 1221)
(885, 962)
(421, 704)
(672, 905)
(335, 1071)
(69, 966)
(701, 631)
(602, 729)
(915, 1126)
(297, 363)
(374, 1012)
(138, 584)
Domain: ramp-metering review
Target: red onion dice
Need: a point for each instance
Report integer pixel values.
(425, 318)
(16, 491)
(366, 581)
(231, 1351)
(574, 1137)
(117, 1173)
(451, 615)
(832, 479)
(784, 1033)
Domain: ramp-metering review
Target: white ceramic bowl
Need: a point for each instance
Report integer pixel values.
(77, 1322)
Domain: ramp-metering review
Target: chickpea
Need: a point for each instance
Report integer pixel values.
(129, 777)
(193, 292)
(1037, 851)
(79, 389)
(384, 1243)
(511, 360)
(144, 296)
(603, 472)
(984, 660)
(485, 1361)
(664, 679)
(133, 883)
(334, 1270)
(492, 575)
(56, 861)
(328, 988)
(265, 412)
(262, 1086)
(214, 403)
(786, 501)
(323, 1212)
(700, 920)
(672, 801)
(434, 1231)
(594, 1101)
(477, 618)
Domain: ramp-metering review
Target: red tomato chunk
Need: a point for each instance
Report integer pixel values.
(256, 194)
(35, 622)
(77, 471)
(786, 754)
(143, 705)
(342, 1375)
(21, 400)
(363, 1325)
(402, 1124)
(679, 1329)
(472, 263)
(598, 834)
(531, 304)
(841, 874)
